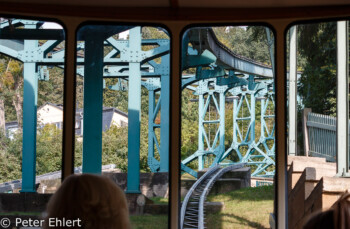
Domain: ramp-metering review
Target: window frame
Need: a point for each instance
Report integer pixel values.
(176, 20)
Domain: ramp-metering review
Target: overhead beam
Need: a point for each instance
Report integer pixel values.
(32, 34)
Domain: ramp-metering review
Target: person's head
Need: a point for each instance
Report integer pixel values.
(342, 212)
(337, 217)
(96, 200)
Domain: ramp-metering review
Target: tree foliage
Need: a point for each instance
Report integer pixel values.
(317, 85)
(246, 41)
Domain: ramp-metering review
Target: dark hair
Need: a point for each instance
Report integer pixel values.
(337, 217)
(96, 200)
(321, 220)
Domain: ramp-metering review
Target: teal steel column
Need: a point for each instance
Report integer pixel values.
(252, 117)
(235, 112)
(164, 123)
(151, 106)
(93, 97)
(222, 122)
(30, 98)
(262, 118)
(30, 101)
(200, 130)
(134, 112)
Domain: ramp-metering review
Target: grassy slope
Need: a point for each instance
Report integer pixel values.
(149, 222)
(244, 208)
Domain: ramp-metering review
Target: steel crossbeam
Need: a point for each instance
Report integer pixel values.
(126, 61)
(213, 81)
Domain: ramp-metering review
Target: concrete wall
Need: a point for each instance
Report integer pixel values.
(151, 184)
(157, 184)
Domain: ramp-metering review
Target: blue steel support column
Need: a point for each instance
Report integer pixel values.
(222, 121)
(222, 128)
(200, 130)
(262, 118)
(30, 98)
(252, 117)
(134, 112)
(235, 124)
(164, 123)
(151, 106)
(93, 97)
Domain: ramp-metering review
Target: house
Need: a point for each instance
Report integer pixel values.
(110, 116)
(11, 128)
(50, 113)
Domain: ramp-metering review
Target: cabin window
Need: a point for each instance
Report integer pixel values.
(318, 130)
(123, 77)
(228, 110)
(31, 72)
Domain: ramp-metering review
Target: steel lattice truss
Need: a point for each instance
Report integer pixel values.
(248, 147)
(219, 74)
(133, 67)
(249, 85)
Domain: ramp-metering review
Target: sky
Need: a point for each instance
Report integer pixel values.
(52, 25)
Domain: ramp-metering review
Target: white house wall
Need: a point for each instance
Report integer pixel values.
(49, 114)
(118, 118)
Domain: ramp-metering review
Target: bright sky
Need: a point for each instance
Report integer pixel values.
(51, 25)
(124, 35)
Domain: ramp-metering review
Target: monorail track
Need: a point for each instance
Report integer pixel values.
(192, 209)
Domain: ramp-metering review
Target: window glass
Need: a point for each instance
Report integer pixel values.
(227, 135)
(123, 112)
(31, 105)
(317, 92)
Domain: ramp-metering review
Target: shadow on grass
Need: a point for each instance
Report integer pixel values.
(245, 221)
(235, 221)
(244, 208)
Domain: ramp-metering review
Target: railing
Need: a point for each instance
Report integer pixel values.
(322, 136)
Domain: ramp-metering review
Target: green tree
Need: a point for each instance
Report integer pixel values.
(11, 85)
(51, 90)
(10, 158)
(317, 85)
(49, 149)
(249, 42)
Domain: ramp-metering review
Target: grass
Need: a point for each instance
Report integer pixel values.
(160, 200)
(149, 221)
(244, 208)
(187, 176)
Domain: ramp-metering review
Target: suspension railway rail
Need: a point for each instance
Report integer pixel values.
(192, 209)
